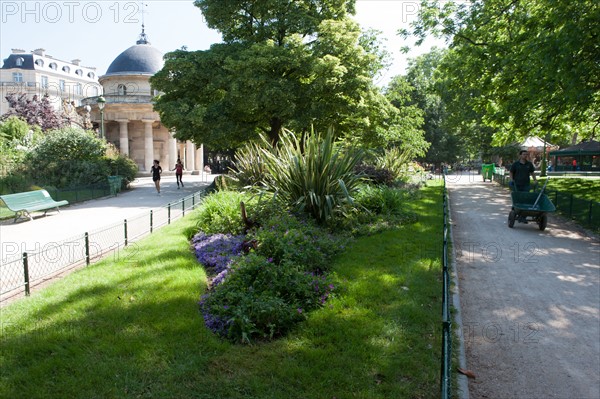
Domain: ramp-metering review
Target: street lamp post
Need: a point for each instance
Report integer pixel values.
(101, 103)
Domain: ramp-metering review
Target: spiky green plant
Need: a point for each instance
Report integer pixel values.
(395, 160)
(250, 163)
(314, 174)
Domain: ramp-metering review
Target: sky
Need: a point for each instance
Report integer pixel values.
(96, 32)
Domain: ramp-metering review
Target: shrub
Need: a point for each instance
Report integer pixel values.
(313, 175)
(380, 199)
(261, 299)
(286, 239)
(68, 157)
(121, 165)
(375, 175)
(220, 212)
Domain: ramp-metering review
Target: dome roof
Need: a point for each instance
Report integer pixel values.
(139, 59)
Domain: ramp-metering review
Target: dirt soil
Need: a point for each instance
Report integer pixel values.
(529, 299)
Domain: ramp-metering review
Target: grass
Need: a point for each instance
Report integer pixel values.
(588, 189)
(130, 327)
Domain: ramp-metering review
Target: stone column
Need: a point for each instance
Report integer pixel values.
(200, 158)
(123, 136)
(148, 144)
(172, 150)
(189, 155)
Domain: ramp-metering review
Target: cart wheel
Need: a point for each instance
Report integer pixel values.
(543, 222)
(511, 219)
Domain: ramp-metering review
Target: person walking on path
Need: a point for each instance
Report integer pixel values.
(520, 172)
(156, 171)
(179, 172)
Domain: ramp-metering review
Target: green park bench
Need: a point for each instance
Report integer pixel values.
(22, 204)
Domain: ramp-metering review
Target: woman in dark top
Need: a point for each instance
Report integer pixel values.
(156, 171)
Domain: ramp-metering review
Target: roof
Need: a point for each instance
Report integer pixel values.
(536, 142)
(139, 59)
(11, 61)
(590, 147)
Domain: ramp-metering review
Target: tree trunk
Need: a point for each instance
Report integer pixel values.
(276, 125)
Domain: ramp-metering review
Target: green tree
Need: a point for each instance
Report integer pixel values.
(528, 66)
(282, 64)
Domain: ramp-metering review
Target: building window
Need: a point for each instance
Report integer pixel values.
(61, 85)
(17, 77)
(78, 89)
(66, 69)
(45, 82)
(53, 65)
(91, 75)
(122, 90)
(79, 72)
(39, 62)
(19, 61)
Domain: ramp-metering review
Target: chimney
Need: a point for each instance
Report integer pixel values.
(17, 51)
(39, 51)
(76, 62)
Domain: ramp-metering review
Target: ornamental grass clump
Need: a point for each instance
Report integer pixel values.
(314, 175)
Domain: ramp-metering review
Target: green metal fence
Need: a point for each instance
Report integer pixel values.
(446, 366)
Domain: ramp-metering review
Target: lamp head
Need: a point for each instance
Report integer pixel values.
(101, 102)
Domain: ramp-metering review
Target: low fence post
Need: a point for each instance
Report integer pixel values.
(26, 273)
(571, 206)
(183, 207)
(87, 249)
(150, 220)
(125, 231)
(169, 213)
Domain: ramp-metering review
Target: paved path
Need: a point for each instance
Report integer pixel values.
(74, 220)
(529, 299)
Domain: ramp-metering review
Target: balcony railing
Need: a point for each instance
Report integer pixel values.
(119, 99)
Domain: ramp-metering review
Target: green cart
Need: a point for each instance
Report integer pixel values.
(487, 171)
(530, 206)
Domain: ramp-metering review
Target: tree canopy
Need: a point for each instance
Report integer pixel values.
(523, 65)
(282, 64)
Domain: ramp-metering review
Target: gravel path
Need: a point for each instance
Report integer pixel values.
(529, 299)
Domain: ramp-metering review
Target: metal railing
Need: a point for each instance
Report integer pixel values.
(21, 271)
(446, 366)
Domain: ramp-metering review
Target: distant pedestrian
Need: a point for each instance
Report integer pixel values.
(156, 170)
(179, 172)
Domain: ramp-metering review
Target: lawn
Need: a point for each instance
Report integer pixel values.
(588, 189)
(129, 327)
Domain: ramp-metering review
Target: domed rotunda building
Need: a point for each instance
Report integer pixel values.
(128, 119)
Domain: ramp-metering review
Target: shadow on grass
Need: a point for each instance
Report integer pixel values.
(132, 329)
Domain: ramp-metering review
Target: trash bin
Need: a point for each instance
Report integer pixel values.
(114, 184)
(487, 171)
